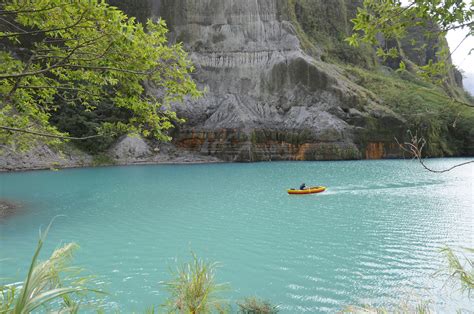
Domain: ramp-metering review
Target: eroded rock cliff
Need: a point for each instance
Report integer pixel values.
(266, 97)
(281, 84)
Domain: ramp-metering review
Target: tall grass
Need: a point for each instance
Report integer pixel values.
(48, 285)
(193, 289)
(460, 273)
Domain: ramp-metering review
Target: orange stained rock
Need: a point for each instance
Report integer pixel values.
(193, 142)
(300, 155)
(375, 150)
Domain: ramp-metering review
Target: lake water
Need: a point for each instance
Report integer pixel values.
(372, 238)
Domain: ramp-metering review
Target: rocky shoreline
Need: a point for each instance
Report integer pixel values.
(129, 150)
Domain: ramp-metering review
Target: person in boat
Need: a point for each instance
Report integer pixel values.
(303, 186)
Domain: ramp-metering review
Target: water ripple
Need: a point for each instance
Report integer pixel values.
(373, 238)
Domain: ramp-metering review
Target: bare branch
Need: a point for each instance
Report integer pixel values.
(468, 24)
(415, 149)
(454, 50)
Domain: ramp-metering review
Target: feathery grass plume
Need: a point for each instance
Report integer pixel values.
(254, 305)
(461, 272)
(45, 285)
(193, 289)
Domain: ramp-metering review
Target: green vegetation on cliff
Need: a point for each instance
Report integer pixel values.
(326, 27)
(440, 113)
(446, 124)
(387, 25)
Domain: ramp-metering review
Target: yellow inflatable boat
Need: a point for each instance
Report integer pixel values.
(311, 190)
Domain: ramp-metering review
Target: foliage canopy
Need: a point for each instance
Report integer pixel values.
(86, 54)
(380, 21)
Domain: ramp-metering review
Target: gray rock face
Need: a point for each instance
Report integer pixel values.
(130, 148)
(265, 99)
(135, 150)
(42, 157)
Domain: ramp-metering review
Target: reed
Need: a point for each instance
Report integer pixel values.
(51, 284)
(461, 272)
(193, 289)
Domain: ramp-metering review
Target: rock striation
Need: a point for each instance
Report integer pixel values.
(266, 99)
(273, 90)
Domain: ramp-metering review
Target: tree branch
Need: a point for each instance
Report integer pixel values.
(9, 12)
(18, 80)
(74, 89)
(415, 148)
(12, 25)
(54, 66)
(95, 55)
(60, 65)
(107, 69)
(30, 73)
(50, 135)
(75, 49)
(468, 24)
(454, 50)
(8, 35)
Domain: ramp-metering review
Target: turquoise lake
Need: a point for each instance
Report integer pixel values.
(372, 238)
